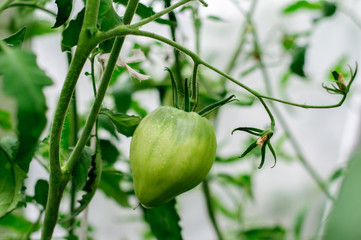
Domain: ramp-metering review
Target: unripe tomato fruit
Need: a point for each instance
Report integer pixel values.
(171, 152)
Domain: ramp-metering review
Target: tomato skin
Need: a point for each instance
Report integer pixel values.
(171, 152)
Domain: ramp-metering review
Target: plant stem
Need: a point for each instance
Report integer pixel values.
(57, 182)
(282, 120)
(74, 157)
(27, 4)
(210, 208)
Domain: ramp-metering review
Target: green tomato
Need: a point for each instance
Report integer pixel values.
(171, 152)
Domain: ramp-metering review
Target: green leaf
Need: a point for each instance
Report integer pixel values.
(164, 221)
(12, 177)
(17, 38)
(123, 97)
(299, 5)
(20, 71)
(328, 9)
(298, 61)
(80, 172)
(343, 221)
(41, 192)
(109, 152)
(144, 11)
(299, 223)
(5, 120)
(17, 223)
(215, 18)
(110, 185)
(267, 233)
(108, 19)
(125, 124)
(64, 10)
(340, 172)
(106, 124)
(91, 185)
(70, 36)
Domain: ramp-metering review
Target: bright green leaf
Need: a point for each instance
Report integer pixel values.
(295, 6)
(5, 120)
(17, 38)
(80, 172)
(20, 71)
(267, 233)
(64, 10)
(17, 223)
(125, 124)
(164, 221)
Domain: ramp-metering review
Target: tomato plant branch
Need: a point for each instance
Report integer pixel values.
(75, 155)
(158, 15)
(57, 181)
(282, 120)
(27, 4)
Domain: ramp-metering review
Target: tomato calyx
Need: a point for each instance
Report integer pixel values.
(263, 141)
(340, 86)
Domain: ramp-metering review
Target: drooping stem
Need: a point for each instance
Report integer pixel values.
(210, 208)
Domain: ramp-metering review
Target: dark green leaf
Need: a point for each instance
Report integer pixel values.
(17, 38)
(91, 185)
(20, 71)
(125, 124)
(328, 9)
(109, 152)
(106, 124)
(12, 177)
(64, 10)
(70, 35)
(110, 185)
(123, 97)
(164, 221)
(41, 192)
(5, 120)
(298, 61)
(343, 221)
(295, 6)
(267, 233)
(80, 172)
(144, 11)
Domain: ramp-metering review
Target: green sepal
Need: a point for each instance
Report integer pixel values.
(207, 110)
(174, 88)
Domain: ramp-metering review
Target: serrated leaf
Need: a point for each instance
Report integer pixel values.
(299, 5)
(110, 185)
(91, 185)
(5, 120)
(343, 221)
(298, 61)
(164, 221)
(17, 38)
(109, 152)
(11, 181)
(41, 192)
(64, 10)
(70, 36)
(20, 71)
(144, 11)
(80, 172)
(125, 124)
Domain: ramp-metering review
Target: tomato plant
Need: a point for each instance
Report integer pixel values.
(60, 152)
